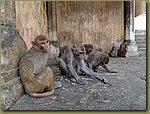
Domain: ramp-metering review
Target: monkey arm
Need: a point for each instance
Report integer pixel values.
(62, 65)
(26, 70)
(86, 69)
(105, 67)
(73, 73)
(90, 72)
(69, 64)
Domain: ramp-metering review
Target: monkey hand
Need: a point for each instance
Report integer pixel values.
(79, 81)
(82, 82)
(104, 80)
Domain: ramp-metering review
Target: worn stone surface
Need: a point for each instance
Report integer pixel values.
(128, 90)
(11, 92)
(31, 19)
(12, 48)
(8, 13)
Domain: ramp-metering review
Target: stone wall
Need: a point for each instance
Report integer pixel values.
(12, 48)
(8, 17)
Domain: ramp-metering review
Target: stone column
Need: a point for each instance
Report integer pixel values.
(12, 48)
(129, 28)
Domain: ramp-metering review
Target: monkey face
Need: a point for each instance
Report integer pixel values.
(45, 45)
(88, 48)
(78, 50)
(123, 47)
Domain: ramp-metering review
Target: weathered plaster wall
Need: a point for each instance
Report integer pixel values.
(31, 19)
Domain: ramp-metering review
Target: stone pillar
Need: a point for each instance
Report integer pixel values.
(129, 28)
(12, 48)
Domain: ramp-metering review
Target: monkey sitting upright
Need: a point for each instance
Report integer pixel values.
(37, 79)
(96, 58)
(122, 50)
(119, 51)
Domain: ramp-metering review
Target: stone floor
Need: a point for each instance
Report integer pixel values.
(128, 90)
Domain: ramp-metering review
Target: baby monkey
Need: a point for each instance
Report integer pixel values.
(119, 51)
(96, 58)
(37, 78)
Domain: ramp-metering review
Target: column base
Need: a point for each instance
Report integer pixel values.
(132, 50)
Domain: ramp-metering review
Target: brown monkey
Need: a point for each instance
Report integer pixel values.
(122, 50)
(96, 58)
(71, 61)
(37, 79)
(88, 48)
(119, 51)
(114, 51)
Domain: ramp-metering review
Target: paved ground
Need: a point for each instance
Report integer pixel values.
(128, 90)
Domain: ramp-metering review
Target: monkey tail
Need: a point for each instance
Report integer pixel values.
(38, 95)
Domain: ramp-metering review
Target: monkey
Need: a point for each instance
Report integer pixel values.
(97, 57)
(37, 78)
(88, 48)
(71, 61)
(118, 51)
(62, 49)
(113, 52)
(122, 50)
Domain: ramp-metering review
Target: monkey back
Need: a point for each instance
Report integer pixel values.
(37, 58)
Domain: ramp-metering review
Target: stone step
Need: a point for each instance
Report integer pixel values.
(141, 49)
(142, 53)
(141, 45)
(140, 38)
(140, 32)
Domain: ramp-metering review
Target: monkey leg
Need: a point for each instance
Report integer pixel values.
(49, 79)
(78, 69)
(42, 81)
(90, 65)
(45, 77)
(62, 66)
